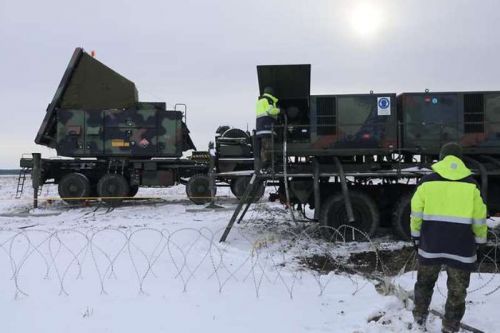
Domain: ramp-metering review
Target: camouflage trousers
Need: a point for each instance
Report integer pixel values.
(458, 282)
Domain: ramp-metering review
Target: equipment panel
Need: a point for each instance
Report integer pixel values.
(131, 133)
(354, 122)
(430, 120)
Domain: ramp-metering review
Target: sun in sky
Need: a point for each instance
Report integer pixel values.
(366, 19)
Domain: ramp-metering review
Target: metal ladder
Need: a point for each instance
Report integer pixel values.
(247, 200)
(21, 179)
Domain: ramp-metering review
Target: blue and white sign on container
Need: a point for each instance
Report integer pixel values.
(383, 106)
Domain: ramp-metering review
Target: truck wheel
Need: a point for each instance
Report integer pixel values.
(239, 185)
(74, 185)
(334, 214)
(112, 185)
(198, 189)
(401, 218)
(133, 190)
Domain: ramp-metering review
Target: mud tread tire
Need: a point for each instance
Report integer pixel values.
(80, 181)
(333, 212)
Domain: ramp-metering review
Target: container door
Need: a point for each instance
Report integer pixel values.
(170, 133)
(291, 85)
(366, 121)
(430, 120)
(70, 132)
(94, 134)
(130, 132)
(288, 81)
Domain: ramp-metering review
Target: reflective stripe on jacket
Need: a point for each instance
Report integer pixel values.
(266, 113)
(448, 216)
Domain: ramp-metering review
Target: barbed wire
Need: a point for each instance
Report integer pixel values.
(281, 258)
(276, 253)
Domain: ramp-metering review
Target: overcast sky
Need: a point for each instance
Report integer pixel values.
(204, 53)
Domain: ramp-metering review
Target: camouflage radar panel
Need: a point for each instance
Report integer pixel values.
(87, 84)
(95, 113)
(93, 86)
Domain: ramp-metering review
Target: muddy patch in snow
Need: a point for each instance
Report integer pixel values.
(391, 262)
(388, 261)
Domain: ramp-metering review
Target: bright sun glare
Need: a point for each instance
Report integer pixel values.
(366, 19)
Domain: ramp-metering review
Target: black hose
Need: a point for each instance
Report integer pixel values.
(345, 190)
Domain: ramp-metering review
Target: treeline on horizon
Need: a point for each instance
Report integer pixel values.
(9, 171)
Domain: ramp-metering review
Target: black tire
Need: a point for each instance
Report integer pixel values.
(74, 185)
(401, 218)
(240, 184)
(333, 214)
(113, 185)
(133, 190)
(198, 189)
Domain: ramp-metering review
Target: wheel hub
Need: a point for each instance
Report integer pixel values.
(201, 188)
(112, 188)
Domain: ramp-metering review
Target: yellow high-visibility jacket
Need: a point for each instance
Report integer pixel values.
(267, 113)
(448, 216)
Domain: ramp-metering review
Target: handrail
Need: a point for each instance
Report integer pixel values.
(184, 112)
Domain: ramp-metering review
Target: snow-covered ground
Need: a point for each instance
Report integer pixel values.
(157, 266)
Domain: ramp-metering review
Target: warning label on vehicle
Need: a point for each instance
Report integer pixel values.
(383, 106)
(119, 143)
(144, 143)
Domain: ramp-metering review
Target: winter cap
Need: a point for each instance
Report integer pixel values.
(269, 90)
(450, 148)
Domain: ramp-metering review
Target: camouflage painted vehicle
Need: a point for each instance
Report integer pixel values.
(95, 112)
(355, 159)
(115, 142)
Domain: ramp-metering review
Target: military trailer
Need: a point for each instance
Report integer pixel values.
(356, 159)
(113, 142)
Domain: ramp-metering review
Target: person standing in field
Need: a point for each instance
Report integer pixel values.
(448, 225)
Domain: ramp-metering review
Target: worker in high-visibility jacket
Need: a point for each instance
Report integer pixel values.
(267, 113)
(448, 226)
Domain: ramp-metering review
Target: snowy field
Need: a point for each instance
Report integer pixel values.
(157, 266)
